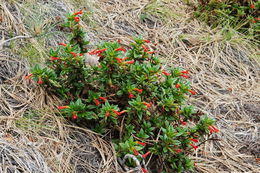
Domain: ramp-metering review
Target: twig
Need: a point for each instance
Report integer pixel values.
(14, 38)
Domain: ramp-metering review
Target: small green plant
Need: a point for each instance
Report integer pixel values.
(128, 94)
(239, 14)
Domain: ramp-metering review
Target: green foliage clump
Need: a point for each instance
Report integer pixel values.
(128, 94)
(242, 15)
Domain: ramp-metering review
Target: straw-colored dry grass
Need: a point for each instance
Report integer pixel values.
(224, 68)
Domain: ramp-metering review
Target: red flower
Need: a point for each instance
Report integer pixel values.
(185, 72)
(253, 21)
(103, 98)
(77, 13)
(185, 76)
(74, 116)
(177, 110)
(252, 6)
(151, 52)
(118, 113)
(146, 154)
(130, 95)
(28, 76)
(183, 122)
(119, 60)
(213, 129)
(76, 19)
(144, 170)
(141, 143)
(178, 150)
(192, 92)
(135, 152)
(93, 52)
(97, 102)
(40, 81)
(138, 90)
(119, 41)
(177, 85)
(62, 44)
(130, 62)
(148, 105)
(73, 54)
(120, 49)
(166, 73)
(125, 58)
(147, 41)
(63, 107)
(81, 54)
(54, 58)
(146, 49)
(194, 140)
(257, 18)
(100, 51)
(194, 146)
(107, 114)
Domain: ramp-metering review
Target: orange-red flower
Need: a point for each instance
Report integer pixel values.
(252, 6)
(107, 114)
(146, 49)
(192, 92)
(63, 107)
(97, 102)
(40, 81)
(213, 129)
(73, 54)
(166, 73)
(194, 140)
(146, 154)
(148, 105)
(103, 98)
(183, 122)
(74, 116)
(120, 49)
(81, 54)
(141, 143)
(138, 90)
(147, 41)
(185, 76)
(62, 44)
(194, 146)
(135, 152)
(79, 12)
(177, 85)
(76, 19)
(28, 76)
(257, 18)
(100, 51)
(178, 150)
(118, 113)
(130, 95)
(151, 52)
(130, 62)
(144, 170)
(253, 21)
(54, 58)
(185, 72)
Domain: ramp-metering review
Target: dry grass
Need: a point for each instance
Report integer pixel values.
(224, 70)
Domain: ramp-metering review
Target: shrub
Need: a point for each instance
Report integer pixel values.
(239, 14)
(129, 95)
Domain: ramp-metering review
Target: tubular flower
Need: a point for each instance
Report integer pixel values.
(77, 13)
(138, 90)
(257, 18)
(177, 85)
(166, 73)
(40, 81)
(146, 154)
(119, 60)
(148, 105)
(119, 41)
(118, 113)
(93, 52)
(252, 6)
(147, 41)
(120, 49)
(141, 143)
(183, 122)
(130, 62)
(185, 76)
(135, 152)
(107, 114)
(130, 95)
(253, 21)
(151, 52)
(76, 19)
(213, 129)
(97, 102)
(146, 49)
(100, 51)
(54, 58)
(192, 92)
(63, 107)
(28, 76)
(178, 150)
(185, 72)
(74, 116)
(103, 98)
(73, 54)
(194, 140)
(62, 44)
(144, 170)
(81, 54)
(194, 146)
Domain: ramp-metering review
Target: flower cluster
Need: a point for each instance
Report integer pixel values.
(128, 94)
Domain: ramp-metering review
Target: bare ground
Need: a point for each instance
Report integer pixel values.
(224, 72)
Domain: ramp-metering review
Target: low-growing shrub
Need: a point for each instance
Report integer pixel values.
(243, 15)
(125, 91)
